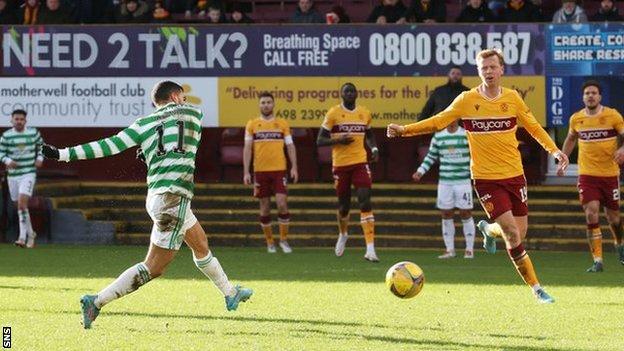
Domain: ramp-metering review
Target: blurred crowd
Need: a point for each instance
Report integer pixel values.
(31, 12)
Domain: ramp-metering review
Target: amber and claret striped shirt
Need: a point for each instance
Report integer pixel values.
(269, 137)
(597, 139)
(490, 126)
(339, 121)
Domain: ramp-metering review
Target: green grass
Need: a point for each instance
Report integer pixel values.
(310, 300)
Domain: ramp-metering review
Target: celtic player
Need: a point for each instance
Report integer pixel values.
(169, 138)
(18, 151)
(450, 148)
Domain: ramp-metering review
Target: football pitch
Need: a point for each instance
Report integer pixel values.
(310, 300)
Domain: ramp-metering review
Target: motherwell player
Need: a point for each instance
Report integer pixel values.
(268, 135)
(346, 128)
(490, 115)
(596, 127)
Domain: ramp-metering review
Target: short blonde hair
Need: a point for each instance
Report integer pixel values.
(483, 54)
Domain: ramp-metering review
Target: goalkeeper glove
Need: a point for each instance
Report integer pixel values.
(50, 151)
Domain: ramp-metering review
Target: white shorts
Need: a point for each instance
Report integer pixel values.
(455, 196)
(23, 184)
(172, 217)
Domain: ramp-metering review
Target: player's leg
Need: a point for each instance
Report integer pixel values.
(448, 233)
(367, 221)
(615, 224)
(14, 183)
(362, 181)
(210, 266)
(446, 206)
(495, 202)
(594, 234)
(342, 183)
(265, 223)
(283, 217)
(611, 198)
(26, 187)
(514, 231)
(468, 226)
(463, 201)
(130, 280)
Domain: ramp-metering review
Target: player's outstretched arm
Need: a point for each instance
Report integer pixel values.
(49, 151)
(433, 124)
(110, 146)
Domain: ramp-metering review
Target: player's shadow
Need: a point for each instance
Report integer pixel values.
(414, 342)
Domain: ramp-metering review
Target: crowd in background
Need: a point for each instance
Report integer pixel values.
(31, 12)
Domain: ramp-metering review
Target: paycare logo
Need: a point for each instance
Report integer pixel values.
(489, 125)
(349, 128)
(596, 134)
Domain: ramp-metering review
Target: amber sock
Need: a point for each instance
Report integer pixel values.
(284, 221)
(265, 223)
(523, 264)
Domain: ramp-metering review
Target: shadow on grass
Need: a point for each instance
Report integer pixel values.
(167, 316)
(32, 288)
(307, 265)
(421, 341)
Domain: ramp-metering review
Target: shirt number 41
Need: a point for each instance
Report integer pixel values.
(179, 149)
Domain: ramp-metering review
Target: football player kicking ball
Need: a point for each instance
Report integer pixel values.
(490, 115)
(596, 127)
(169, 138)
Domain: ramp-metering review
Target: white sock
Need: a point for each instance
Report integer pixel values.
(212, 269)
(130, 280)
(469, 233)
(370, 247)
(448, 233)
(536, 287)
(24, 224)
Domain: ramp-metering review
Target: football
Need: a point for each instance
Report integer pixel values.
(405, 279)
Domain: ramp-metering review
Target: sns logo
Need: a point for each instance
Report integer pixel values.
(485, 125)
(6, 337)
(351, 128)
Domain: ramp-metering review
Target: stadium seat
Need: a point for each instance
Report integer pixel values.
(401, 160)
(306, 161)
(324, 163)
(40, 215)
(231, 150)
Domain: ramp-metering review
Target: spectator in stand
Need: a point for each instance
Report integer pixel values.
(338, 15)
(497, 7)
(444, 95)
(7, 14)
(570, 12)
(306, 13)
(476, 11)
(160, 13)
(132, 11)
(607, 13)
(55, 13)
(389, 11)
(94, 11)
(239, 16)
(215, 15)
(30, 12)
(521, 11)
(425, 11)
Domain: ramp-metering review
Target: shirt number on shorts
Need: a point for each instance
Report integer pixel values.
(161, 133)
(523, 194)
(616, 194)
